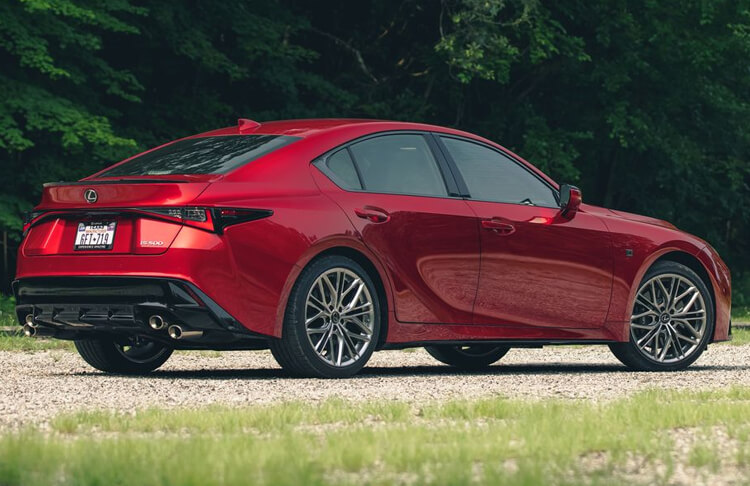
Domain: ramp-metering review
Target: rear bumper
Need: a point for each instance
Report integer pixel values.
(77, 307)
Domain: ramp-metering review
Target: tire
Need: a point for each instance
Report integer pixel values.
(112, 357)
(340, 341)
(656, 318)
(474, 357)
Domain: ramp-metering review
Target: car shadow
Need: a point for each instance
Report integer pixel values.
(418, 371)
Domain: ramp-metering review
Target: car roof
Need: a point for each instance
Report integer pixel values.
(305, 128)
(336, 131)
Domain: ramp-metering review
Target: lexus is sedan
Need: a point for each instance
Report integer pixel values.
(327, 240)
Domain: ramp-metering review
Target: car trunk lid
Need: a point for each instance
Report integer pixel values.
(110, 216)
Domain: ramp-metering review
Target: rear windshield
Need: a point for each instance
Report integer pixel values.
(205, 155)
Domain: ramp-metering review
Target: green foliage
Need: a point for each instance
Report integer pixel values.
(643, 104)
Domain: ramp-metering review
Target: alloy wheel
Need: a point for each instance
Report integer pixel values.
(669, 318)
(339, 317)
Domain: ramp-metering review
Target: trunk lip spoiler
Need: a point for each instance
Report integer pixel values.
(94, 182)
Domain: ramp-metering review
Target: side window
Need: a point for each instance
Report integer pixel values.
(400, 164)
(491, 176)
(341, 169)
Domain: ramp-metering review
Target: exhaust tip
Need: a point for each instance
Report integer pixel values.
(29, 331)
(156, 322)
(175, 332)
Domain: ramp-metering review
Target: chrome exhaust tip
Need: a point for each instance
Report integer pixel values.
(37, 331)
(177, 332)
(156, 322)
(29, 319)
(28, 330)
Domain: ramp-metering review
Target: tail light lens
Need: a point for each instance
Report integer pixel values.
(224, 217)
(28, 218)
(210, 219)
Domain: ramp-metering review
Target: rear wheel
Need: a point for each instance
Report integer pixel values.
(332, 320)
(475, 356)
(134, 357)
(671, 322)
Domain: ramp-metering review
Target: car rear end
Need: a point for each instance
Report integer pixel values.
(129, 251)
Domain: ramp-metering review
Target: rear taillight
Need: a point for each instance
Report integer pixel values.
(28, 218)
(210, 219)
(224, 217)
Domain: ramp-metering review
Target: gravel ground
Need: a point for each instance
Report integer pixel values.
(36, 386)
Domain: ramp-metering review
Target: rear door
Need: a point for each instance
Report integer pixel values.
(403, 201)
(538, 268)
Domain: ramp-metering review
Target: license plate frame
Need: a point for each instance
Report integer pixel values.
(95, 236)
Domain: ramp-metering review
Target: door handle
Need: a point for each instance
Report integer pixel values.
(373, 214)
(498, 227)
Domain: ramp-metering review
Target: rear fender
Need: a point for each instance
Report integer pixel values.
(330, 244)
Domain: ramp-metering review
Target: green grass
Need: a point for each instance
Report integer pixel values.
(492, 441)
(18, 342)
(741, 314)
(740, 336)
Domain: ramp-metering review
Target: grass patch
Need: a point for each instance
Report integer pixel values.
(740, 337)
(16, 341)
(741, 314)
(492, 441)
(705, 455)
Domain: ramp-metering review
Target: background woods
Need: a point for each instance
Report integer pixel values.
(645, 104)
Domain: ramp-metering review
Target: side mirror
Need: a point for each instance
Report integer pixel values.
(570, 200)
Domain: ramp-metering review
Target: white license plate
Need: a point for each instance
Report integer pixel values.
(95, 236)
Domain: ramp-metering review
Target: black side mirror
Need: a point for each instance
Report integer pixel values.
(570, 200)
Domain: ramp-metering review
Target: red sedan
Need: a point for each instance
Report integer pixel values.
(326, 240)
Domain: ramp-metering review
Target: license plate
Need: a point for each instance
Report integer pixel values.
(95, 236)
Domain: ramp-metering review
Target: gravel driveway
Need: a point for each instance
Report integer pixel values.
(37, 386)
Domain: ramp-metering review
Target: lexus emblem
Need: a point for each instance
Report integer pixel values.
(90, 196)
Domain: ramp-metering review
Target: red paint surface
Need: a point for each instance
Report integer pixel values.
(452, 269)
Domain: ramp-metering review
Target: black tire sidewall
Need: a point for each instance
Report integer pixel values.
(450, 355)
(102, 354)
(629, 353)
(295, 332)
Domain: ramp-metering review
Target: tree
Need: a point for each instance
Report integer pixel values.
(641, 103)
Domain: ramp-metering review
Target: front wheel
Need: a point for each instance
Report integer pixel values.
(473, 357)
(672, 320)
(332, 320)
(134, 357)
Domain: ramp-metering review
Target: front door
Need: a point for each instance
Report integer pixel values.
(538, 269)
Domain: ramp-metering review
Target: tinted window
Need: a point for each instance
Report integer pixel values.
(400, 164)
(342, 171)
(491, 176)
(205, 155)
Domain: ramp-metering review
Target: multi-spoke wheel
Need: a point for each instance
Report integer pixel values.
(332, 320)
(671, 321)
(471, 357)
(134, 356)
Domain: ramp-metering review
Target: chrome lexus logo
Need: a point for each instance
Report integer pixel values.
(90, 196)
